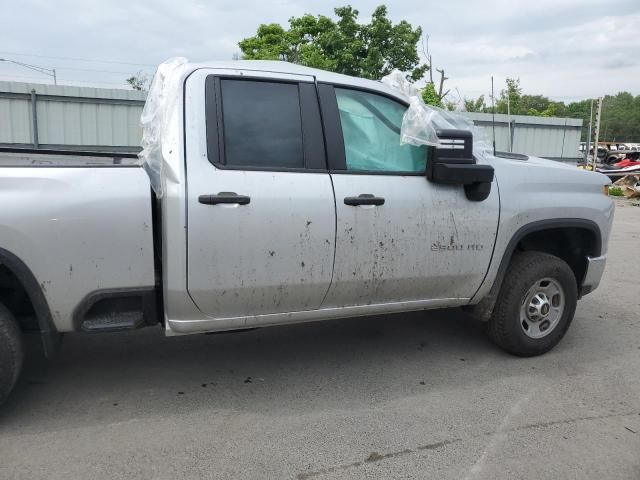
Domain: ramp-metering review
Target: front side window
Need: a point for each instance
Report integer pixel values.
(262, 124)
(371, 130)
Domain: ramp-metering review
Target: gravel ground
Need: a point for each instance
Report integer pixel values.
(421, 395)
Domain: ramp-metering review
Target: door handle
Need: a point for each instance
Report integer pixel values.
(364, 199)
(224, 197)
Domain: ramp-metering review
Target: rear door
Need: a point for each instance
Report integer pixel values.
(400, 238)
(261, 212)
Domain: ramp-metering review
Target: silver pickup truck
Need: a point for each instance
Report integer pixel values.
(288, 197)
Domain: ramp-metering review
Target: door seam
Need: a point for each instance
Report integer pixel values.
(335, 242)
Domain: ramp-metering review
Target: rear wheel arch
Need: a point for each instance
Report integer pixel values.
(11, 352)
(19, 278)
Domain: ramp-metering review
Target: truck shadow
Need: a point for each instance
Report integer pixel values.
(323, 365)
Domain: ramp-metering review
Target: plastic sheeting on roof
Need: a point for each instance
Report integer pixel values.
(158, 117)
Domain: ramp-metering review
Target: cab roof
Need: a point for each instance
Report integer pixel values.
(275, 66)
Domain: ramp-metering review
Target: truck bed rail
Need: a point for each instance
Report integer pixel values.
(31, 157)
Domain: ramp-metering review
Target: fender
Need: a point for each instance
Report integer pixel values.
(484, 308)
(50, 335)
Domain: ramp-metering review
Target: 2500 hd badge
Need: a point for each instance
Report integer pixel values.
(440, 247)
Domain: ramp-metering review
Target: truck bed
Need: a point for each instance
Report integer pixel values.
(81, 224)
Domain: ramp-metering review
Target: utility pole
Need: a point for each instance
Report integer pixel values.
(493, 120)
(47, 71)
(588, 146)
(509, 120)
(595, 145)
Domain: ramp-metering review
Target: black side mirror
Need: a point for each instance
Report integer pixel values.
(453, 163)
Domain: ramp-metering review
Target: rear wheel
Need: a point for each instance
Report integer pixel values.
(11, 352)
(536, 304)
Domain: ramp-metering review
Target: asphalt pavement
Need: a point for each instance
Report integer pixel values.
(421, 395)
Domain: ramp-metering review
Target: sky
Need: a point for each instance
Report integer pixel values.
(564, 49)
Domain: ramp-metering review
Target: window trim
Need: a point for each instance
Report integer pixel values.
(346, 86)
(336, 153)
(313, 142)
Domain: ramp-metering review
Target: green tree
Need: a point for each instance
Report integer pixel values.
(510, 98)
(139, 81)
(620, 120)
(450, 106)
(430, 96)
(477, 105)
(369, 50)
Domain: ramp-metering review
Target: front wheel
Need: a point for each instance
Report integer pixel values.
(10, 352)
(535, 306)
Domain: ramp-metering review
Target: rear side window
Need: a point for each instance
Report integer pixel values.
(261, 124)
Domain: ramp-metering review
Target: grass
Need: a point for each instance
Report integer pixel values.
(616, 192)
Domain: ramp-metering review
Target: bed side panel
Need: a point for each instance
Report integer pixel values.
(79, 230)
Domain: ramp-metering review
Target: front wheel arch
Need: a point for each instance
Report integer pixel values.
(539, 236)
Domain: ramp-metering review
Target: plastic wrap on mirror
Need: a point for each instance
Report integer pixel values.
(421, 122)
(162, 100)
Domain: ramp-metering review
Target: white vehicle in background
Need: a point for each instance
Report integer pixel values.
(287, 197)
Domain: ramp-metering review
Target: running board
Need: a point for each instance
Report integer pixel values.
(112, 310)
(113, 322)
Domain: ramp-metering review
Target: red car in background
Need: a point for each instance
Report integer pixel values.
(631, 159)
(630, 164)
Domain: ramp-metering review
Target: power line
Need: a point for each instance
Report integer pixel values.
(77, 59)
(115, 72)
(122, 84)
(10, 77)
(93, 70)
(37, 68)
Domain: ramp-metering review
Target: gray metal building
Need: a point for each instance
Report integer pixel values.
(60, 116)
(548, 137)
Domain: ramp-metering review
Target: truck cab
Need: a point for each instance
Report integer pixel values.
(302, 203)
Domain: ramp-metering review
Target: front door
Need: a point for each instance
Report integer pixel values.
(399, 237)
(261, 213)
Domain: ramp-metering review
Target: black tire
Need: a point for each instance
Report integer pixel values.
(11, 352)
(505, 326)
